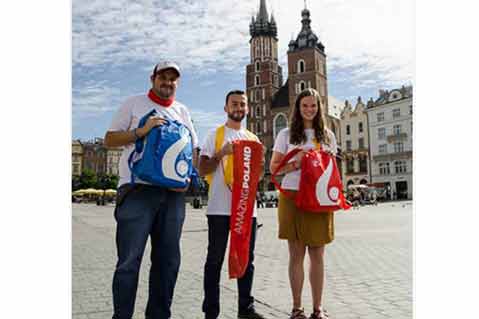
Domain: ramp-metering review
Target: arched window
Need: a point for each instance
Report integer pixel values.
(301, 66)
(257, 66)
(302, 86)
(280, 122)
(258, 111)
(258, 128)
(256, 80)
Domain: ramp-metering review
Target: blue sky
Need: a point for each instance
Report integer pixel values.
(369, 46)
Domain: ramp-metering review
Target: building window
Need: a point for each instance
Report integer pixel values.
(348, 129)
(380, 116)
(397, 129)
(257, 93)
(410, 109)
(302, 86)
(256, 80)
(384, 169)
(348, 146)
(301, 66)
(383, 149)
(257, 66)
(363, 164)
(258, 111)
(361, 142)
(381, 133)
(360, 127)
(400, 167)
(258, 128)
(398, 147)
(350, 166)
(396, 113)
(280, 123)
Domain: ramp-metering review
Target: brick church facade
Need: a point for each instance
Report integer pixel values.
(268, 97)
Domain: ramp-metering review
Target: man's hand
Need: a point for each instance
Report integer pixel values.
(227, 149)
(153, 121)
(181, 190)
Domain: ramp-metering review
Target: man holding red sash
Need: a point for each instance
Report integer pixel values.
(216, 163)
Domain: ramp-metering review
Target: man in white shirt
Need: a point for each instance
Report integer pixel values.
(219, 211)
(143, 209)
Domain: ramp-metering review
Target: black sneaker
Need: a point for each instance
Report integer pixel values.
(249, 314)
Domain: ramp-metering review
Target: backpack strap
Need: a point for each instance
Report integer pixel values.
(138, 143)
(282, 164)
(219, 137)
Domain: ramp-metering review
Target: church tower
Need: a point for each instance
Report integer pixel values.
(263, 74)
(307, 63)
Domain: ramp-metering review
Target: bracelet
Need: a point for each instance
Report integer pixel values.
(136, 135)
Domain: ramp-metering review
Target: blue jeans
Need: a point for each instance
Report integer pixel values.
(218, 232)
(147, 211)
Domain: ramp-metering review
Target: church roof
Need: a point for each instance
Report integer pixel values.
(281, 98)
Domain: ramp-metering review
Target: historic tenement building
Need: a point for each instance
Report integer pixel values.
(391, 145)
(94, 156)
(77, 155)
(355, 144)
(268, 97)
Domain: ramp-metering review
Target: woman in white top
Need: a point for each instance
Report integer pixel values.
(304, 229)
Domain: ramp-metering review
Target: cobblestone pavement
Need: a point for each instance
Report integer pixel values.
(368, 266)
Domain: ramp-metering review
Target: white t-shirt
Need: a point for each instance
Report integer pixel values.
(282, 145)
(219, 201)
(130, 114)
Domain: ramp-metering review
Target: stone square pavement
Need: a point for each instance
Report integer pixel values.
(368, 266)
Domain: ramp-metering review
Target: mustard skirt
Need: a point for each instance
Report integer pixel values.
(312, 229)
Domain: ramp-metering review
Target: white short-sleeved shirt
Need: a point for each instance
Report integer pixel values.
(128, 117)
(219, 201)
(282, 145)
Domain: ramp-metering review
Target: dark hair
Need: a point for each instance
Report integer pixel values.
(234, 92)
(296, 132)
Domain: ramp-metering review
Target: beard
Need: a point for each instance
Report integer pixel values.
(166, 91)
(236, 116)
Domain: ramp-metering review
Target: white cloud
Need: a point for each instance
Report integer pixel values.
(93, 98)
(373, 37)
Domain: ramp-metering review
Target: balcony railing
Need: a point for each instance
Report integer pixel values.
(393, 156)
(397, 137)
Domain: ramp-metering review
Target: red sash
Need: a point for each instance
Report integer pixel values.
(247, 157)
(320, 186)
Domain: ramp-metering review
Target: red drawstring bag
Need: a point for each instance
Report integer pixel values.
(247, 156)
(320, 186)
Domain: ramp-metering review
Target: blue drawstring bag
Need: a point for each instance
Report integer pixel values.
(164, 157)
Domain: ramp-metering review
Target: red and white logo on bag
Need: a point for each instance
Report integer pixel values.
(327, 196)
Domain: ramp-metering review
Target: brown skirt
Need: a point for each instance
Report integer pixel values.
(312, 229)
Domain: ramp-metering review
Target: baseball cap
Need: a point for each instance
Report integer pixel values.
(166, 65)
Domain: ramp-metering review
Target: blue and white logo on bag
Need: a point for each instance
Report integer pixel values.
(165, 156)
(173, 166)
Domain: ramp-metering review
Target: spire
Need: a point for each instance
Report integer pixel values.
(306, 37)
(263, 25)
(263, 13)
